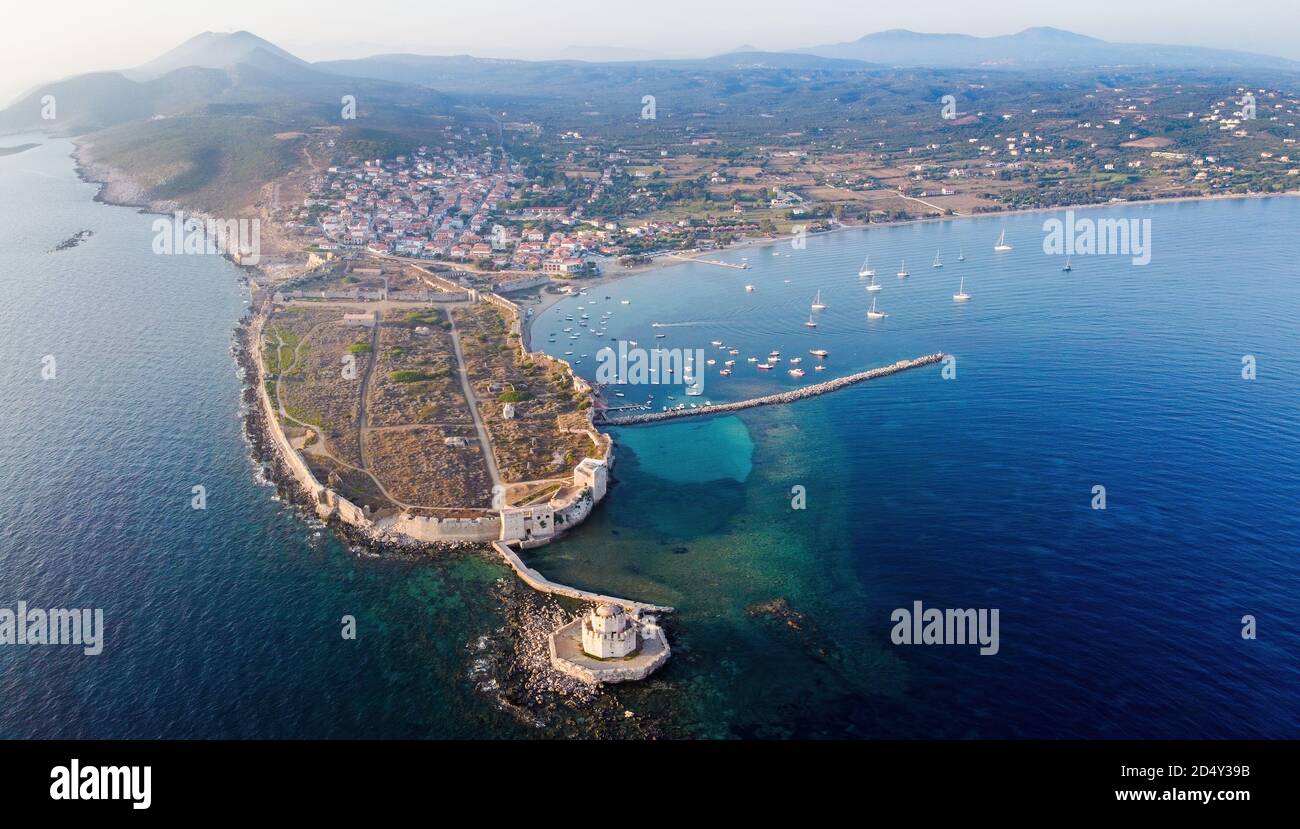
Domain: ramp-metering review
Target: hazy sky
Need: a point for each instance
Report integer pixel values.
(48, 39)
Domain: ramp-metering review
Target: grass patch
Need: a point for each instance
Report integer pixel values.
(303, 417)
(410, 376)
(430, 316)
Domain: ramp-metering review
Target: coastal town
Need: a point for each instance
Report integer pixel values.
(469, 210)
(592, 203)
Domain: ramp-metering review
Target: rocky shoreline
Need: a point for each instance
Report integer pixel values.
(115, 187)
(525, 684)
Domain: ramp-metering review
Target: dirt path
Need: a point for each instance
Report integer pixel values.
(364, 393)
(488, 455)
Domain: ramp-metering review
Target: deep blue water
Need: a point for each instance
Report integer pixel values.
(976, 491)
(223, 622)
(972, 492)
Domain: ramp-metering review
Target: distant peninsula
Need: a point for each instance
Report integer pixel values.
(15, 150)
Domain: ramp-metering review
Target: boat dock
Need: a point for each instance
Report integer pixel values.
(744, 266)
(782, 397)
(627, 407)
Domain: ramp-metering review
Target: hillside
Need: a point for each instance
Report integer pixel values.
(210, 122)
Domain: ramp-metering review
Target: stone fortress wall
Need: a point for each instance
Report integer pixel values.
(405, 527)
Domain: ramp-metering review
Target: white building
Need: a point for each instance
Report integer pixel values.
(607, 633)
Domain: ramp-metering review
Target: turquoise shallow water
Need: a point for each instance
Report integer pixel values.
(693, 451)
(969, 492)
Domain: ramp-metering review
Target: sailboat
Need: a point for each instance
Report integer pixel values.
(873, 287)
(817, 304)
(902, 269)
(693, 386)
(873, 314)
(961, 254)
(810, 323)
(1002, 245)
(961, 295)
(938, 263)
(1067, 267)
(866, 270)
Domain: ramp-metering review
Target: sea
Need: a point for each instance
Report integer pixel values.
(786, 537)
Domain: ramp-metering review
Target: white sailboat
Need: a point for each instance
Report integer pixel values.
(817, 304)
(694, 387)
(938, 263)
(866, 270)
(810, 323)
(902, 269)
(961, 295)
(961, 254)
(1002, 245)
(873, 314)
(873, 287)
(1067, 267)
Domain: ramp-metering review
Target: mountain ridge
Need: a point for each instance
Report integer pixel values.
(1037, 46)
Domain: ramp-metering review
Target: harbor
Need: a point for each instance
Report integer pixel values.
(782, 397)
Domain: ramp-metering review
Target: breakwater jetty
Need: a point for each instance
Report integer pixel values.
(743, 266)
(542, 584)
(782, 397)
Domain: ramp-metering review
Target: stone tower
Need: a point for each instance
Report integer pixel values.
(607, 633)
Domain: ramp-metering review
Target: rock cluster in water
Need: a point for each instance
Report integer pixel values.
(73, 240)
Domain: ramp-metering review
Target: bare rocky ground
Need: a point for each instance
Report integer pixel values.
(326, 395)
(436, 400)
(545, 438)
(418, 468)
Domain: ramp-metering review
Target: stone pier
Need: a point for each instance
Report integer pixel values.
(783, 397)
